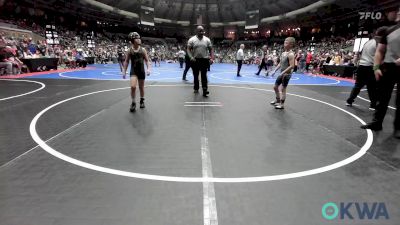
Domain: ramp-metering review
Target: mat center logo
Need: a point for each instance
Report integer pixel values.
(355, 210)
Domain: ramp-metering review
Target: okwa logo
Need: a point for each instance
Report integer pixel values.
(355, 210)
(372, 15)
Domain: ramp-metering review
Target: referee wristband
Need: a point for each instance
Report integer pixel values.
(376, 67)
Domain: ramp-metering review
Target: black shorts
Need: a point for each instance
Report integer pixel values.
(283, 80)
(139, 72)
(140, 76)
(270, 63)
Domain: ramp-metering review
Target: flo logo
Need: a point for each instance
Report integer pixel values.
(372, 15)
(355, 210)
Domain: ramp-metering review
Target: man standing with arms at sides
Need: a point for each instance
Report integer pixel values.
(181, 57)
(387, 73)
(263, 59)
(239, 59)
(270, 64)
(286, 65)
(121, 58)
(201, 55)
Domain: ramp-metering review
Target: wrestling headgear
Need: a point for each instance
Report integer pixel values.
(133, 35)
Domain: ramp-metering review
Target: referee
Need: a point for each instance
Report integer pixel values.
(181, 57)
(239, 59)
(387, 70)
(264, 57)
(365, 74)
(201, 55)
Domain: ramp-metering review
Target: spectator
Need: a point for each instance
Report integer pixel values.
(31, 46)
(338, 59)
(308, 60)
(6, 67)
(80, 60)
(70, 60)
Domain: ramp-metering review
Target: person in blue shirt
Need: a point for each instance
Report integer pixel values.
(32, 46)
(80, 60)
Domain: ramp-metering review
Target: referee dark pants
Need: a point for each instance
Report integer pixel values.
(391, 76)
(365, 76)
(181, 60)
(200, 67)
(263, 65)
(187, 67)
(240, 63)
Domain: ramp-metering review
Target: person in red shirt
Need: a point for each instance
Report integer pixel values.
(11, 57)
(308, 60)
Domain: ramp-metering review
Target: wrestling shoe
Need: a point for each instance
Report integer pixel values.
(142, 103)
(133, 107)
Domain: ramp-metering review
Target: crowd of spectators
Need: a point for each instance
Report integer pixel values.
(73, 49)
(310, 56)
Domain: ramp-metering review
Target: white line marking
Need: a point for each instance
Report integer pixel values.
(119, 74)
(211, 75)
(28, 93)
(63, 132)
(390, 107)
(50, 150)
(203, 105)
(209, 200)
(394, 89)
(253, 82)
(126, 80)
(87, 78)
(202, 102)
(261, 77)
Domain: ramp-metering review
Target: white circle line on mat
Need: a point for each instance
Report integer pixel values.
(390, 107)
(42, 85)
(260, 77)
(62, 74)
(254, 82)
(50, 150)
(118, 73)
